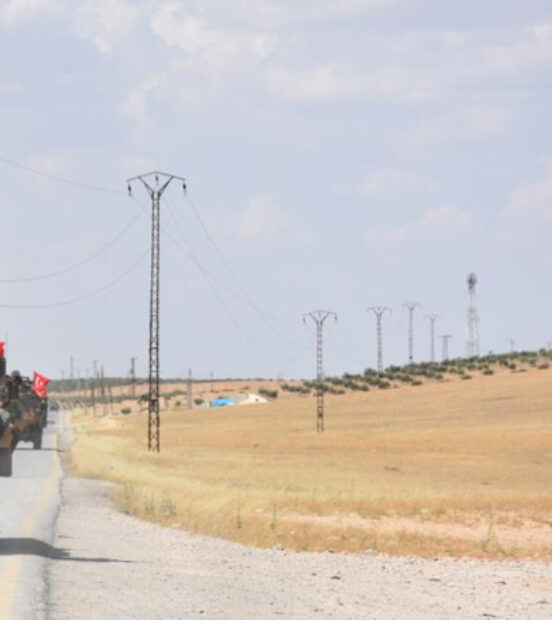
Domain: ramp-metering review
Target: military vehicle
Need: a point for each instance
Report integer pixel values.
(23, 414)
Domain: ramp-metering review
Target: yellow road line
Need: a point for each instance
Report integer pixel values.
(9, 577)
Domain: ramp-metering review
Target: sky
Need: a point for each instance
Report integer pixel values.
(337, 156)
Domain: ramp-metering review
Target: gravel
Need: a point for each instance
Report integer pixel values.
(110, 565)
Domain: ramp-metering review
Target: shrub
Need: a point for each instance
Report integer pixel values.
(126, 410)
(268, 393)
(465, 377)
(488, 371)
(198, 401)
(543, 366)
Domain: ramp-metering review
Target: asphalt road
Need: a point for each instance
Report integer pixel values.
(29, 505)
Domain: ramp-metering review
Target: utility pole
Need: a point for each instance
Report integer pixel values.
(432, 318)
(445, 338)
(411, 306)
(132, 375)
(155, 184)
(379, 311)
(512, 344)
(189, 394)
(103, 391)
(212, 386)
(72, 371)
(472, 346)
(319, 318)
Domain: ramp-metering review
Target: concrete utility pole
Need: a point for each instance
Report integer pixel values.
(379, 311)
(512, 344)
(472, 346)
(445, 338)
(72, 369)
(411, 306)
(319, 318)
(432, 318)
(132, 375)
(155, 184)
(189, 390)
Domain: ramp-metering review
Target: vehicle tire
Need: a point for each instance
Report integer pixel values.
(37, 439)
(5, 462)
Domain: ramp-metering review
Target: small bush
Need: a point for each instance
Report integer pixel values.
(268, 393)
(488, 371)
(543, 366)
(126, 410)
(465, 377)
(198, 401)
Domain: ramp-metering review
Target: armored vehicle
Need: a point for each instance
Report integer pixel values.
(23, 414)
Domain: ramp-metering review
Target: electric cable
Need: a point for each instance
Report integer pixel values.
(81, 263)
(263, 315)
(205, 274)
(58, 179)
(74, 300)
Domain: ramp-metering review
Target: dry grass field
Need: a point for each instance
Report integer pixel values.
(458, 468)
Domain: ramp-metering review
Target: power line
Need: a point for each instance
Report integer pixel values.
(205, 274)
(80, 298)
(58, 179)
(247, 298)
(81, 263)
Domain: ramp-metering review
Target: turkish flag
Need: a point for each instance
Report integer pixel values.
(2, 348)
(40, 384)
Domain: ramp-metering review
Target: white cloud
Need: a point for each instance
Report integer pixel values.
(17, 11)
(390, 183)
(198, 38)
(435, 225)
(263, 219)
(105, 22)
(135, 103)
(468, 123)
(532, 201)
(322, 82)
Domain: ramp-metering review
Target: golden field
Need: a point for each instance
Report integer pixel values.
(455, 467)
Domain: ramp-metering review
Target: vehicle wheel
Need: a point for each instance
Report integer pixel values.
(37, 440)
(5, 462)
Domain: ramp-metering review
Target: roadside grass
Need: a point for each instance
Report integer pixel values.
(455, 468)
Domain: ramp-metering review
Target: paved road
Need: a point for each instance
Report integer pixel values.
(29, 503)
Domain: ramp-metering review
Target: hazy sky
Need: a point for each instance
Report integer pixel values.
(342, 155)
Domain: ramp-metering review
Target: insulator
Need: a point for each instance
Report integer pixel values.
(129, 190)
(183, 186)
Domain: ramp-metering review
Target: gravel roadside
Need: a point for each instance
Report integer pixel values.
(110, 565)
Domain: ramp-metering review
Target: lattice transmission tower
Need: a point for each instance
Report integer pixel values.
(472, 345)
(379, 311)
(319, 317)
(445, 338)
(411, 307)
(432, 318)
(155, 184)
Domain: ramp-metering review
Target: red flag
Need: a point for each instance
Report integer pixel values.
(40, 384)
(2, 347)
